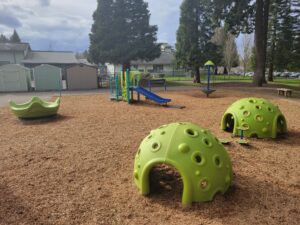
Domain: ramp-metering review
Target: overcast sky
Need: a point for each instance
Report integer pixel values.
(65, 24)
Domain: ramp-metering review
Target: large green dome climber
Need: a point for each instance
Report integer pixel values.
(199, 157)
(256, 116)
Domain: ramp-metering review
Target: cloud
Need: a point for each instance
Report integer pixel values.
(64, 25)
(9, 20)
(44, 3)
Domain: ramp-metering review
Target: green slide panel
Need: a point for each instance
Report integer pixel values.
(35, 108)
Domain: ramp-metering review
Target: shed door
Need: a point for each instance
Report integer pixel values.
(12, 81)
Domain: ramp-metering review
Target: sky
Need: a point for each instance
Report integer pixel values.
(64, 25)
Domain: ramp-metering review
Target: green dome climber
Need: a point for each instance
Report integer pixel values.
(256, 116)
(198, 156)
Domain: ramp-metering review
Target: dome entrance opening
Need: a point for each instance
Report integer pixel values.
(166, 183)
(229, 122)
(281, 125)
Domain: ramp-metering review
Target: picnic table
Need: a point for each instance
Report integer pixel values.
(285, 92)
(157, 81)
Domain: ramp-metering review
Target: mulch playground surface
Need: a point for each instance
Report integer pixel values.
(77, 168)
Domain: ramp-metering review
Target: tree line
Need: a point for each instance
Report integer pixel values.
(14, 38)
(121, 32)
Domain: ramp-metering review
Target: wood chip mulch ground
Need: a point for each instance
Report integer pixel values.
(77, 168)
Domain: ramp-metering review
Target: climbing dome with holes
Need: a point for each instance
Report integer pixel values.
(198, 156)
(257, 117)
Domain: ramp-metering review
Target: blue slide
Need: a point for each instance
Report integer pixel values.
(150, 95)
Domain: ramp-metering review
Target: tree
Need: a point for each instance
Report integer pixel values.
(15, 37)
(121, 33)
(283, 26)
(246, 51)
(228, 49)
(3, 38)
(245, 16)
(196, 28)
(296, 28)
(230, 52)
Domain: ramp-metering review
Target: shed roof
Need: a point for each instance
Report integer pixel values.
(14, 46)
(13, 66)
(50, 57)
(166, 58)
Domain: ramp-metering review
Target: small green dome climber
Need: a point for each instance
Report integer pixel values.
(198, 156)
(256, 116)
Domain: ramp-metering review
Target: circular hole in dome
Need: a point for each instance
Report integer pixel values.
(191, 132)
(163, 132)
(150, 136)
(139, 151)
(246, 113)
(245, 125)
(198, 158)
(251, 101)
(207, 142)
(259, 118)
(155, 145)
(203, 184)
(258, 107)
(270, 109)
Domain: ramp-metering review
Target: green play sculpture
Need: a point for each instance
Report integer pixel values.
(35, 108)
(198, 156)
(259, 118)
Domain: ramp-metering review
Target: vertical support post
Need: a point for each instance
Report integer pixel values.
(127, 86)
(110, 86)
(242, 134)
(208, 77)
(117, 87)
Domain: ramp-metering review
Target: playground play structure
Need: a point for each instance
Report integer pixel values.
(199, 157)
(35, 108)
(254, 117)
(208, 90)
(123, 87)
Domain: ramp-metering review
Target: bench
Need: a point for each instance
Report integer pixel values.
(285, 92)
(157, 81)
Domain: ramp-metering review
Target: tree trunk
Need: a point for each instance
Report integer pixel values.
(259, 44)
(197, 75)
(266, 25)
(270, 74)
(126, 66)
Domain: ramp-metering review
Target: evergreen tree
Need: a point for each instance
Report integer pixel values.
(121, 33)
(15, 38)
(245, 16)
(196, 28)
(282, 50)
(3, 38)
(296, 34)
(283, 53)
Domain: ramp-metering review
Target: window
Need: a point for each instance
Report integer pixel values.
(158, 68)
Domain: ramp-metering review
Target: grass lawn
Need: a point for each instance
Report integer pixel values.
(187, 81)
(288, 82)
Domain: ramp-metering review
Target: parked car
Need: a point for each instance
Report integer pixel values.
(295, 74)
(276, 74)
(249, 74)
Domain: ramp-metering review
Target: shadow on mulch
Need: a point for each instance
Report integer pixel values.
(13, 209)
(246, 194)
(40, 121)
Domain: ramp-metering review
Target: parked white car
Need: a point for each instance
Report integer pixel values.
(249, 74)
